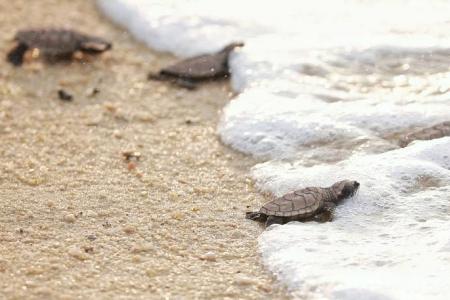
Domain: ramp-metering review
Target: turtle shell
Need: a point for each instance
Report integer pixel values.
(51, 41)
(61, 42)
(301, 203)
(201, 67)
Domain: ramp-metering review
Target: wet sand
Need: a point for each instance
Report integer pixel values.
(79, 222)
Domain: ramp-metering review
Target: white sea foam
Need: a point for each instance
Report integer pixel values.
(264, 123)
(391, 241)
(324, 87)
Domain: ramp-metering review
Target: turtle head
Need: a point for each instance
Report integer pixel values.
(227, 49)
(94, 45)
(344, 189)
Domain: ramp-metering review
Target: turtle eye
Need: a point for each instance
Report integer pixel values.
(346, 191)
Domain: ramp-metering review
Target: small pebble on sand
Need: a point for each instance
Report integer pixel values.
(177, 216)
(144, 117)
(129, 229)
(76, 252)
(64, 96)
(88, 249)
(136, 259)
(69, 218)
(131, 166)
(91, 214)
(111, 107)
(3, 265)
(244, 280)
(131, 154)
(209, 256)
(117, 134)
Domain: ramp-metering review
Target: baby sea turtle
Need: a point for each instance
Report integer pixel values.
(434, 132)
(187, 73)
(308, 204)
(55, 44)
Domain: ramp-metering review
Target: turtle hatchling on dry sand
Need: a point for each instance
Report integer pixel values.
(434, 132)
(187, 73)
(308, 204)
(55, 43)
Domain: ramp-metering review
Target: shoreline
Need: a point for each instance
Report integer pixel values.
(76, 220)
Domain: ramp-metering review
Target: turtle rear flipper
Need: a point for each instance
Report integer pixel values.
(95, 46)
(155, 76)
(15, 56)
(255, 216)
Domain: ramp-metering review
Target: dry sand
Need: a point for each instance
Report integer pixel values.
(76, 220)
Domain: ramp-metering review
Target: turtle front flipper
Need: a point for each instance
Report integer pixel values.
(327, 214)
(274, 220)
(15, 56)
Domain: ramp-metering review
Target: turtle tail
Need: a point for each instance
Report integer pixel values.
(15, 56)
(255, 216)
(155, 76)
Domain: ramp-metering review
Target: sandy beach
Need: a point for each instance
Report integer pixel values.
(77, 221)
